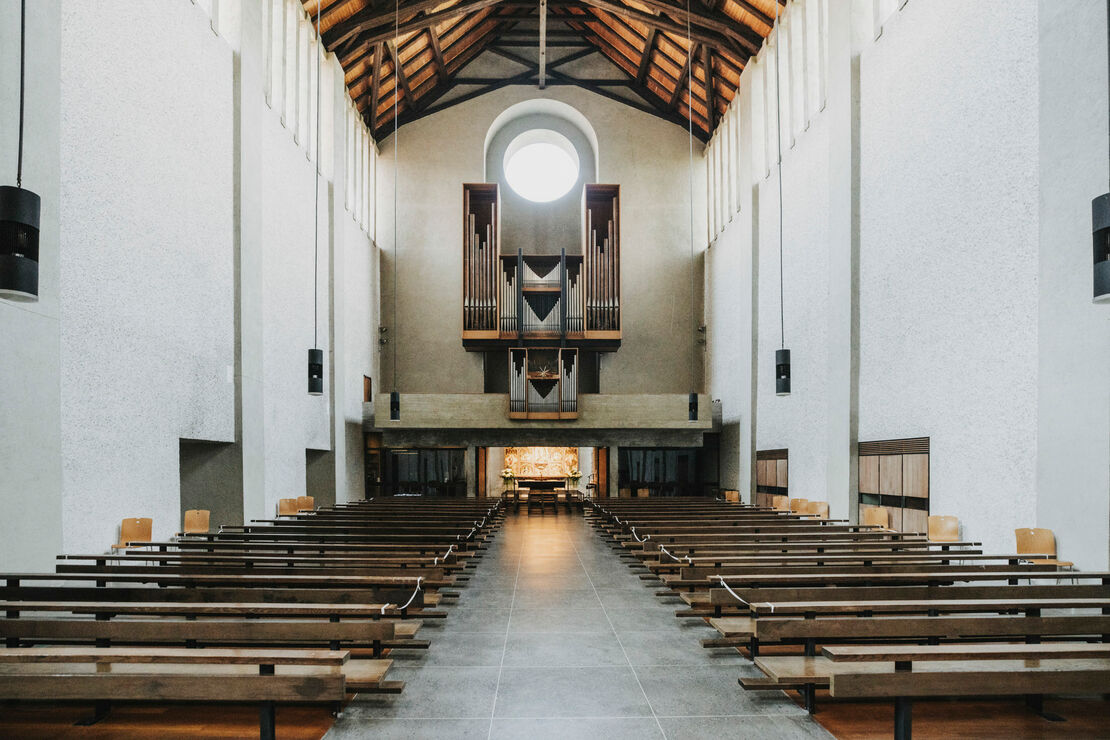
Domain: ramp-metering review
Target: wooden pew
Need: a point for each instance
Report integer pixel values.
(193, 681)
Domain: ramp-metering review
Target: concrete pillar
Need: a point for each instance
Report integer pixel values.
(842, 421)
(250, 105)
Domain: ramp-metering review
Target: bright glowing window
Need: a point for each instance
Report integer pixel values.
(541, 165)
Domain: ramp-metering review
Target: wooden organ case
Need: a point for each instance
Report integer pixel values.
(541, 309)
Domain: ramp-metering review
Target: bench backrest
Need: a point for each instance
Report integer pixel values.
(206, 631)
(287, 506)
(1035, 540)
(944, 528)
(797, 504)
(875, 516)
(196, 521)
(773, 628)
(135, 529)
(306, 503)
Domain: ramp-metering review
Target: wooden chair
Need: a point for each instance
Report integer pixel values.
(876, 516)
(287, 507)
(306, 503)
(196, 521)
(731, 496)
(780, 503)
(1039, 541)
(944, 528)
(798, 504)
(818, 509)
(134, 529)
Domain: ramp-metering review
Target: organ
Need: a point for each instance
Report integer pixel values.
(541, 309)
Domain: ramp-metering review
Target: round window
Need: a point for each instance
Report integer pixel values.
(541, 165)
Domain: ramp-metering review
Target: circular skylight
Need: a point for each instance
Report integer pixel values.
(541, 165)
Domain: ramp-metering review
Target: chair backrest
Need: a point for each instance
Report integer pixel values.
(624, 493)
(780, 503)
(733, 496)
(799, 505)
(1035, 541)
(875, 516)
(196, 521)
(819, 509)
(287, 506)
(944, 528)
(306, 503)
(135, 529)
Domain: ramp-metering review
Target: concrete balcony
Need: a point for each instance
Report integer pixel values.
(647, 420)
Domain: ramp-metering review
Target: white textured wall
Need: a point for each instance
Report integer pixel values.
(30, 429)
(648, 157)
(795, 422)
(147, 275)
(294, 420)
(948, 255)
(1073, 461)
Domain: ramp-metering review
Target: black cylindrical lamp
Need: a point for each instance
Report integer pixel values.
(1100, 223)
(782, 372)
(394, 406)
(19, 244)
(693, 407)
(315, 372)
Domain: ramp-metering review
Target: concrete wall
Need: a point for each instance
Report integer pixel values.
(30, 391)
(937, 259)
(1073, 404)
(648, 157)
(165, 366)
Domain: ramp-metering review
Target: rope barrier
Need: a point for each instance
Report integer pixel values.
(721, 580)
(672, 557)
(645, 539)
(419, 580)
(449, 549)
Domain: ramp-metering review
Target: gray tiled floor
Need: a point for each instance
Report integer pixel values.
(556, 637)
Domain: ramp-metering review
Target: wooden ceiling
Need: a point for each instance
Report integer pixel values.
(415, 61)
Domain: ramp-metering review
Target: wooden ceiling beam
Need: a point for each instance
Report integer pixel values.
(718, 22)
(376, 85)
(399, 73)
(441, 66)
(683, 76)
(710, 92)
(645, 62)
(381, 25)
(661, 23)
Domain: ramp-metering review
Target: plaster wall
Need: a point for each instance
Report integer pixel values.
(1073, 407)
(30, 399)
(948, 255)
(642, 153)
(146, 282)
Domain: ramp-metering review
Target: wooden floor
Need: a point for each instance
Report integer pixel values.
(183, 721)
(970, 719)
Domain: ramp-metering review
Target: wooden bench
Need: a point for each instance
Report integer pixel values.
(194, 681)
(966, 670)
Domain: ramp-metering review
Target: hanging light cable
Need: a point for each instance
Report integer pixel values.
(316, 355)
(1100, 217)
(692, 414)
(19, 210)
(782, 355)
(395, 394)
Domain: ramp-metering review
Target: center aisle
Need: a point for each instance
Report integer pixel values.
(555, 637)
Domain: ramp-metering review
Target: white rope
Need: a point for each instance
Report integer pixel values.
(419, 580)
(734, 595)
(672, 557)
(449, 549)
(645, 539)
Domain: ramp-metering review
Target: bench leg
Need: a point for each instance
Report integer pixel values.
(903, 718)
(809, 694)
(100, 711)
(266, 721)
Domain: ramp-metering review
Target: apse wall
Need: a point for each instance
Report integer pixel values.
(178, 275)
(942, 211)
(648, 157)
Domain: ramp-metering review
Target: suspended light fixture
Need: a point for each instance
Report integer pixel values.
(693, 401)
(316, 355)
(1100, 225)
(19, 212)
(395, 394)
(782, 355)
